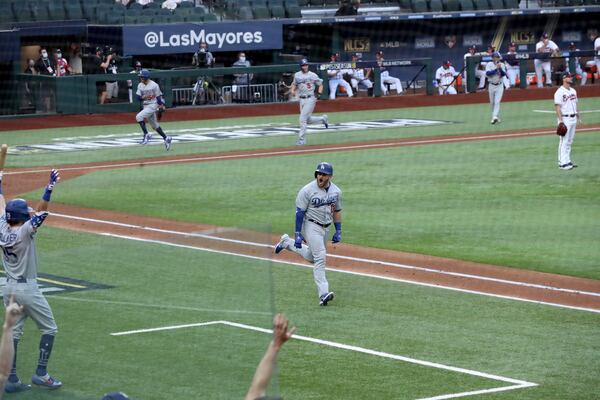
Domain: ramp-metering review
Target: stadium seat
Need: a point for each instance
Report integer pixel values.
(436, 5)
(261, 12)
(293, 11)
(244, 12)
(451, 5)
(405, 5)
(150, 12)
(276, 3)
(210, 17)
(130, 19)
(21, 11)
(419, 6)
(134, 6)
(277, 11)
(185, 4)
(330, 3)
(481, 4)
(40, 12)
(496, 4)
(316, 3)
(511, 4)
(154, 5)
(145, 19)
(113, 19)
(303, 3)
(74, 11)
(258, 3)
(466, 5)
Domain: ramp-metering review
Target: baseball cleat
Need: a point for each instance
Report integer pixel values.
(282, 243)
(14, 387)
(494, 121)
(46, 381)
(168, 141)
(566, 166)
(326, 121)
(300, 142)
(326, 298)
(573, 165)
(146, 139)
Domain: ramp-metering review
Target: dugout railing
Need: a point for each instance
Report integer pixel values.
(525, 64)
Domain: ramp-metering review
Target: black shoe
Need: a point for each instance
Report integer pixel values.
(573, 165)
(14, 387)
(326, 298)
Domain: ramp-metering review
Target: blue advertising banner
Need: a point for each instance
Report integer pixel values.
(185, 38)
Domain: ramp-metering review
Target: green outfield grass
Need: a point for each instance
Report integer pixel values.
(466, 119)
(502, 202)
(157, 285)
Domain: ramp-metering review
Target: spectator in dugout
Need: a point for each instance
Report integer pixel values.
(44, 66)
(31, 87)
(61, 65)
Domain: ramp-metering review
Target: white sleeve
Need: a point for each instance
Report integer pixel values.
(552, 45)
(302, 199)
(558, 98)
(538, 46)
(438, 74)
(597, 43)
(490, 66)
(139, 90)
(157, 91)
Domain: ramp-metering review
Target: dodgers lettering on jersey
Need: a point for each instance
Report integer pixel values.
(148, 92)
(567, 100)
(306, 83)
(445, 76)
(318, 203)
(18, 247)
(497, 77)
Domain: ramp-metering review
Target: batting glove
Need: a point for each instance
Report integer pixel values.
(337, 237)
(54, 178)
(298, 241)
(38, 219)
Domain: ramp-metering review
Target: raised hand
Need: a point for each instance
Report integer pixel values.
(54, 178)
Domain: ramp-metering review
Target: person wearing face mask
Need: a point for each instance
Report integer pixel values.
(61, 65)
(203, 58)
(44, 67)
(242, 93)
(30, 87)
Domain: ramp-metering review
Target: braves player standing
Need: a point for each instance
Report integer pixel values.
(495, 71)
(150, 95)
(565, 104)
(17, 240)
(304, 84)
(445, 77)
(512, 70)
(578, 69)
(318, 204)
(544, 46)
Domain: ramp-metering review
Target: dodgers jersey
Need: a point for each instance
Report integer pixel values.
(149, 89)
(305, 83)
(318, 203)
(18, 247)
(567, 99)
(496, 77)
(445, 76)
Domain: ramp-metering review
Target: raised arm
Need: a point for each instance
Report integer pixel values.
(52, 181)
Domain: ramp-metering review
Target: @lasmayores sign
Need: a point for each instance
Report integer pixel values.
(185, 38)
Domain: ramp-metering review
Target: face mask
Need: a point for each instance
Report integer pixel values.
(31, 63)
(242, 59)
(59, 55)
(202, 50)
(44, 54)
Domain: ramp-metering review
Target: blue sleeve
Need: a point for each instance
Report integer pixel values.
(160, 100)
(139, 98)
(492, 72)
(299, 219)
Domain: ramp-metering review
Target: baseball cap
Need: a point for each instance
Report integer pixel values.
(545, 36)
(473, 47)
(491, 47)
(572, 45)
(379, 53)
(566, 75)
(496, 54)
(116, 396)
(447, 62)
(512, 44)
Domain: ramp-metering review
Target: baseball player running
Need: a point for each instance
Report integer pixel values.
(565, 104)
(578, 69)
(445, 77)
(17, 240)
(495, 71)
(304, 84)
(546, 46)
(150, 95)
(318, 204)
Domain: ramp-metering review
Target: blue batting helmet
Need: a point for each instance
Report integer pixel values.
(324, 168)
(17, 210)
(144, 74)
(304, 61)
(496, 55)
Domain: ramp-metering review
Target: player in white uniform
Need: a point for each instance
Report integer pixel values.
(359, 76)
(578, 69)
(336, 78)
(479, 74)
(565, 104)
(17, 240)
(495, 71)
(386, 78)
(445, 77)
(304, 84)
(150, 95)
(512, 69)
(546, 46)
(597, 49)
(318, 204)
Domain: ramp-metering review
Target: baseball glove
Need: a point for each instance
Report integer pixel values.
(561, 129)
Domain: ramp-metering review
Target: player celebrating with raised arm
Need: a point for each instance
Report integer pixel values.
(148, 92)
(495, 71)
(565, 104)
(17, 240)
(318, 204)
(304, 84)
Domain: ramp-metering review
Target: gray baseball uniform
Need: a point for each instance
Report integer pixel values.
(20, 264)
(305, 86)
(319, 205)
(495, 78)
(149, 92)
